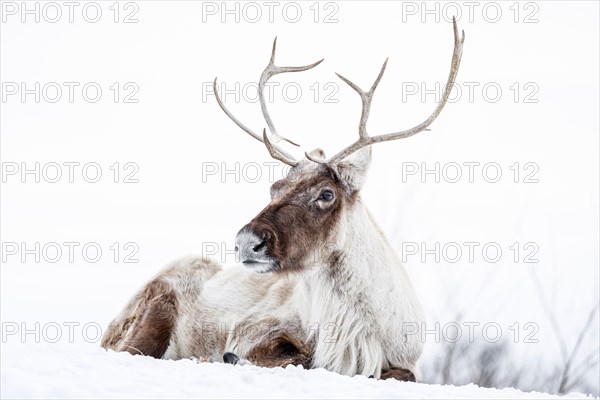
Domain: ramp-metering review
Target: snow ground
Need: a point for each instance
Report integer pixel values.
(46, 371)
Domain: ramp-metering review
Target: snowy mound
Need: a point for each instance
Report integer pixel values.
(62, 371)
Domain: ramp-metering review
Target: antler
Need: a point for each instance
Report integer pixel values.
(366, 97)
(270, 71)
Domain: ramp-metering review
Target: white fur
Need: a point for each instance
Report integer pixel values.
(366, 309)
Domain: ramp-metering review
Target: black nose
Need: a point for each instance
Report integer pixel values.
(259, 246)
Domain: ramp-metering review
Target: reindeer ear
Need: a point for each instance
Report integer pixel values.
(318, 153)
(353, 169)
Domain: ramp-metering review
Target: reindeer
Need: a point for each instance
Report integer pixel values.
(319, 285)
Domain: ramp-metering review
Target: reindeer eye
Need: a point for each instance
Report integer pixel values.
(327, 195)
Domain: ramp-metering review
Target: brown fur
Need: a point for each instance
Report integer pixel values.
(334, 262)
(279, 350)
(294, 205)
(148, 329)
(399, 374)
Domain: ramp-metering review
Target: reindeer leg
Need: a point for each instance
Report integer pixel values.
(148, 323)
(400, 374)
(230, 358)
(281, 350)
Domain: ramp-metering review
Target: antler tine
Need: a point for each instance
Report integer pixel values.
(240, 124)
(276, 154)
(268, 72)
(230, 115)
(366, 97)
(271, 70)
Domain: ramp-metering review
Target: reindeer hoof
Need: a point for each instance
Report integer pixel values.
(230, 358)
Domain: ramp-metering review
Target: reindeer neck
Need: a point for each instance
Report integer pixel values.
(348, 295)
(363, 256)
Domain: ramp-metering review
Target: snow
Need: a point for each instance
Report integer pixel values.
(46, 371)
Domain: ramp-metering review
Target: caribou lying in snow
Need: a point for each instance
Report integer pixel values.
(331, 292)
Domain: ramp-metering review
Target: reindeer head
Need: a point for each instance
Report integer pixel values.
(300, 224)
